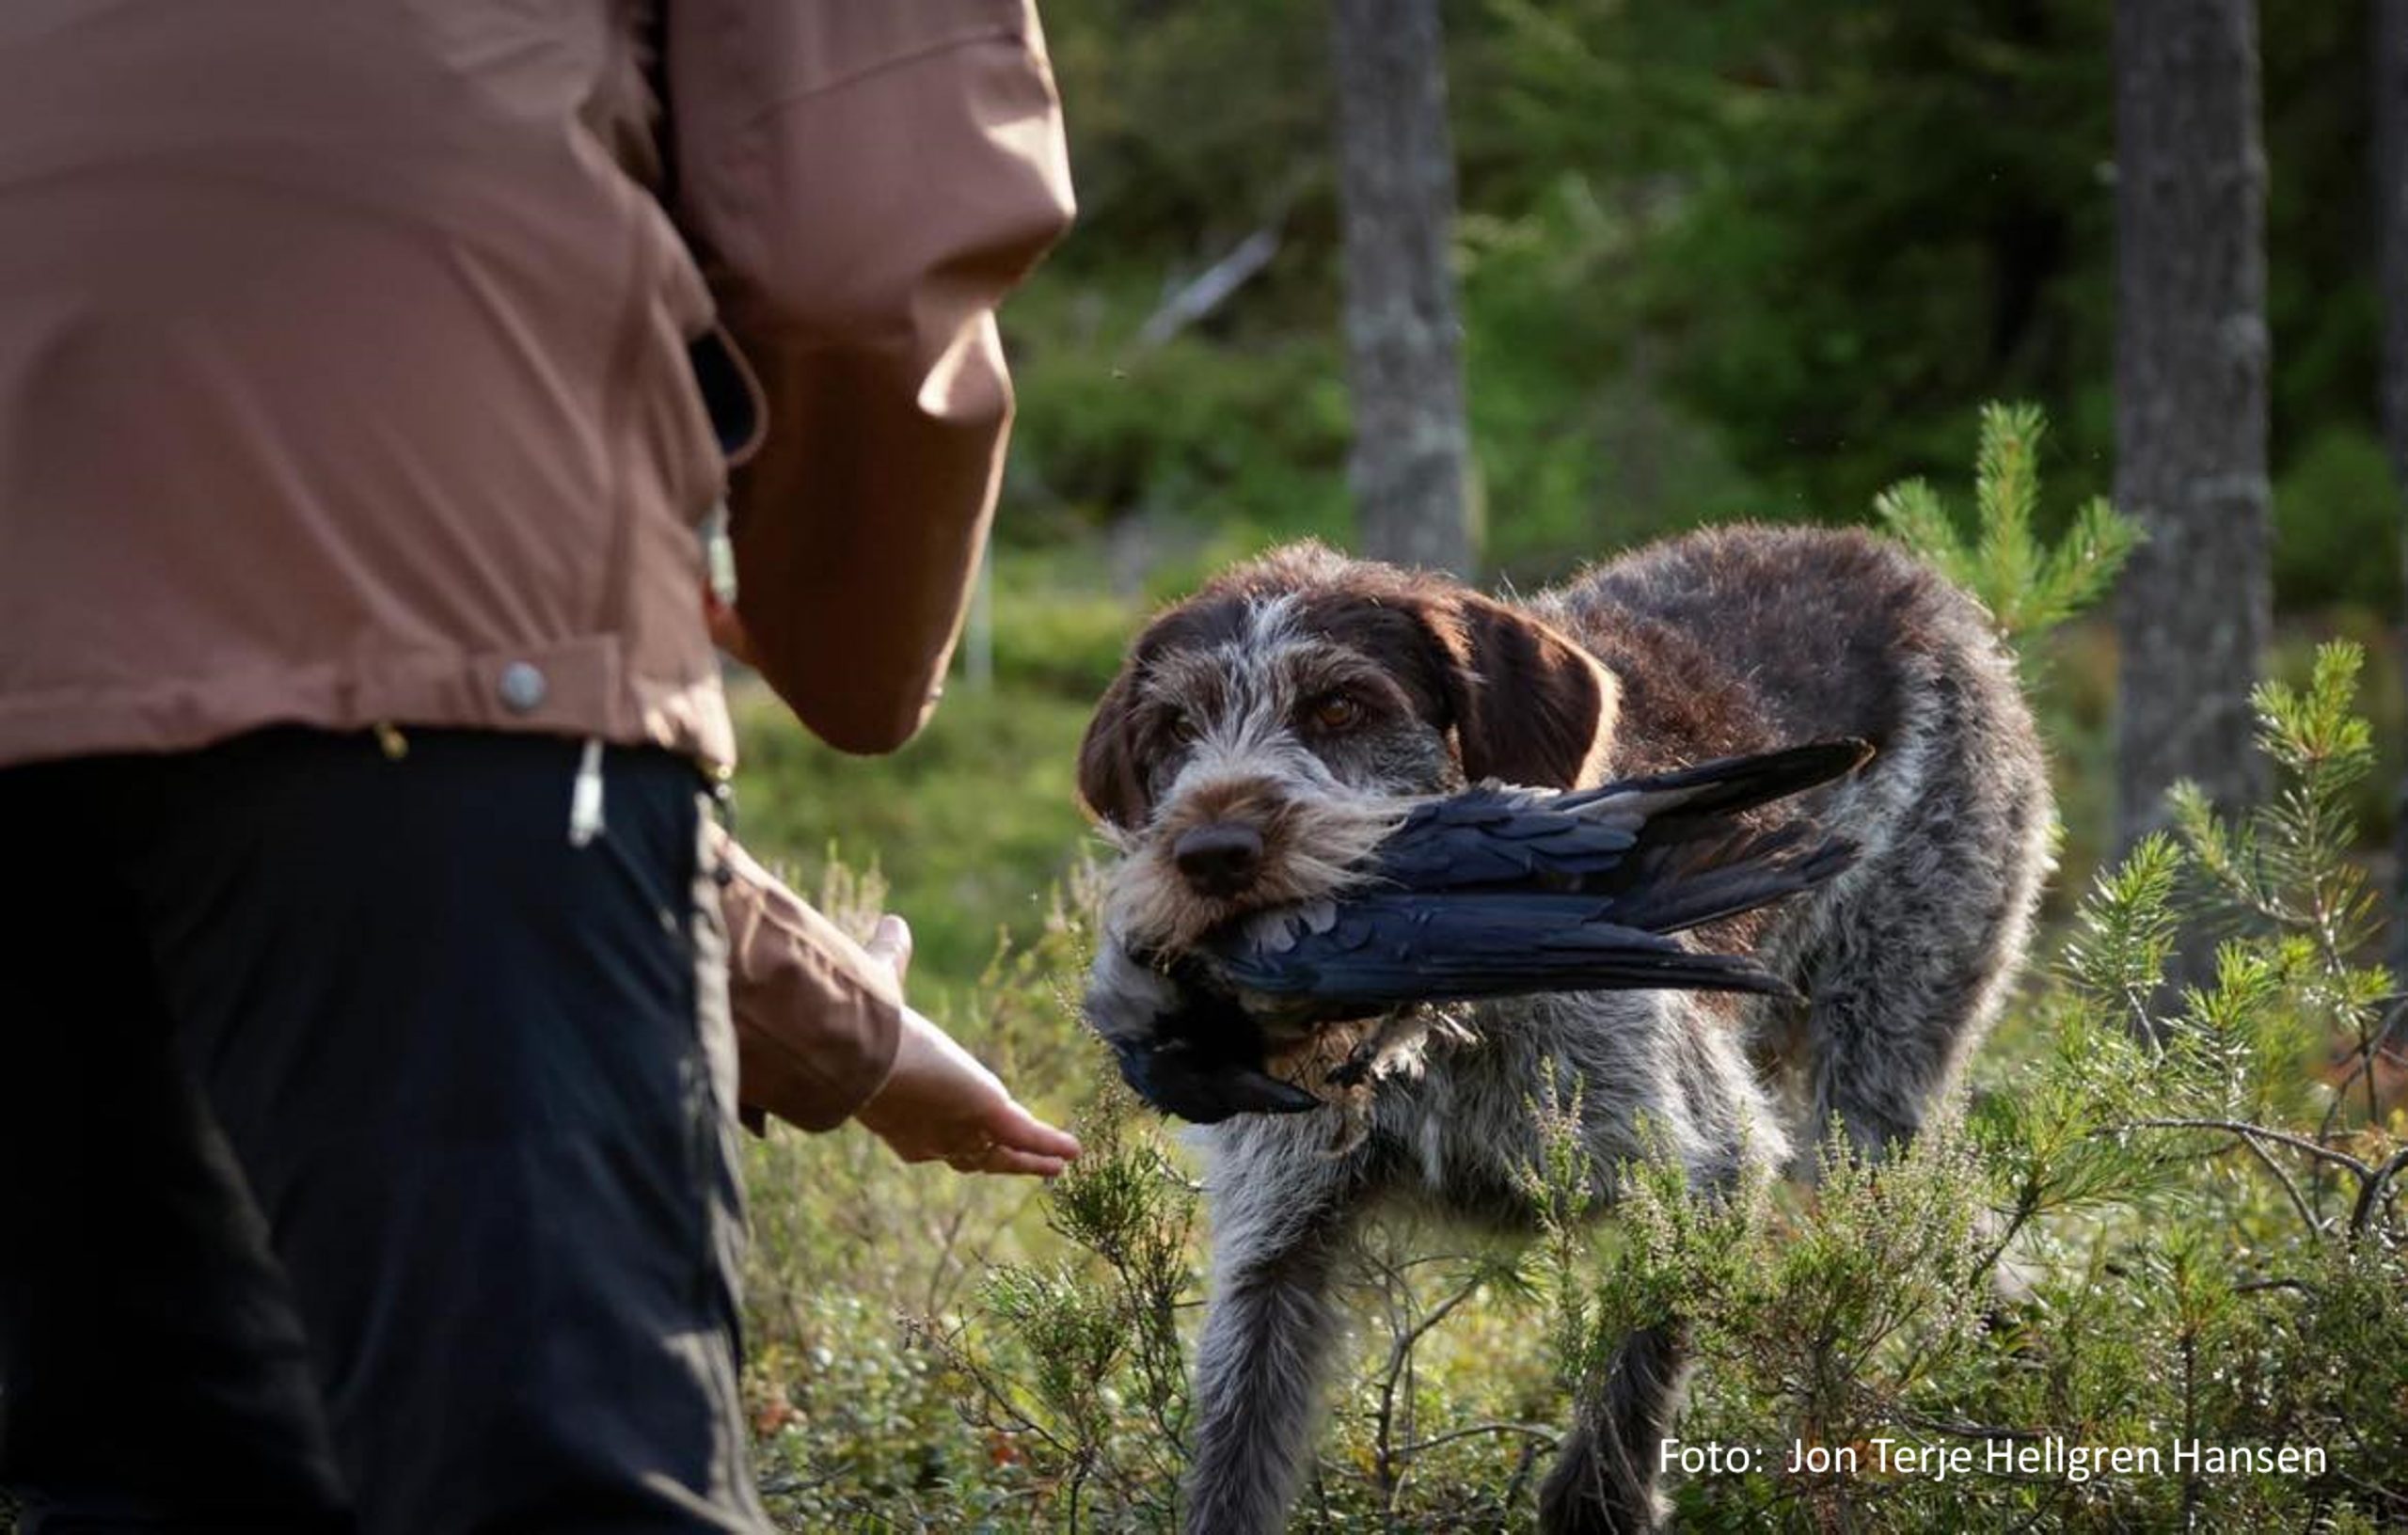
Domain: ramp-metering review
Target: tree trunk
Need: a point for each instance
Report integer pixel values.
(2390, 53)
(2195, 605)
(1410, 466)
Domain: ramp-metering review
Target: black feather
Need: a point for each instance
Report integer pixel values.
(1385, 948)
(1203, 1060)
(1728, 785)
(1494, 837)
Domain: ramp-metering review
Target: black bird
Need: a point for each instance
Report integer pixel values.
(1501, 892)
(1491, 892)
(1203, 1059)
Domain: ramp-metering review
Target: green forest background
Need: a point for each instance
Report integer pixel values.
(1738, 259)
(1743, 259)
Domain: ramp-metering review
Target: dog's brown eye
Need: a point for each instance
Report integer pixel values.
(1181, 727)
(1336, 711)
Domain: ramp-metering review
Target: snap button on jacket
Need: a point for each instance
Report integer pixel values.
(345, 369)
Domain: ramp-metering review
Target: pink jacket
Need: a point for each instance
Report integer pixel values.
(344, 380)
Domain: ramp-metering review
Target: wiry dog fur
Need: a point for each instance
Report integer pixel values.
(1304, 695)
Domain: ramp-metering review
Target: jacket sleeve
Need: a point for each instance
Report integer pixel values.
(817, 1016)
(864, 183)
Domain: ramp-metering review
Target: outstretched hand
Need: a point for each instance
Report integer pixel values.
(938, 1104)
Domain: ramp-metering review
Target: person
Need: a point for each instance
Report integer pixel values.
(381, 989)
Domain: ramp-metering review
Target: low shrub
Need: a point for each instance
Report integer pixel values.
(2155, 1219)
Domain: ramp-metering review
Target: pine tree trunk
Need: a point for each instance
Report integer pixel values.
(2194, 608)
(2390, 53)
(1410, 466)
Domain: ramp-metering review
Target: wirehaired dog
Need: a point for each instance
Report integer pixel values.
(1262, 738)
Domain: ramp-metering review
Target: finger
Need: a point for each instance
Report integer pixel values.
(891, 941)
(1003, 1159)
(1015, 1127)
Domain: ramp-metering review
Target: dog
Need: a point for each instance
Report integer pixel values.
(1260, 741)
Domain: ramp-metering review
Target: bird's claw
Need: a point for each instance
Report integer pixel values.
(1356, 1069)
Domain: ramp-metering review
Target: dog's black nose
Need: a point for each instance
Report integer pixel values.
(1220, 859)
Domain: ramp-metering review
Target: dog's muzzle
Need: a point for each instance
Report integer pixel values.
(1220, 860)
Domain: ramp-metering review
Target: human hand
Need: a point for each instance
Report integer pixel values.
(940, 1104)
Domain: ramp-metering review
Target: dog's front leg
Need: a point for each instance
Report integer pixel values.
(1281, 1208)
(1603, 1483)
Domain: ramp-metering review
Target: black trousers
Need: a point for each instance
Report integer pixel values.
(365, 1147)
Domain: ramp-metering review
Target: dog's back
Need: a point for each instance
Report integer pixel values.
(1746, 638)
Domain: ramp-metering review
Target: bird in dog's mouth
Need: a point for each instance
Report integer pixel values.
(1494, 892)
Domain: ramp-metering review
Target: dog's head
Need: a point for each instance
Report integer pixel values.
(1265, 733)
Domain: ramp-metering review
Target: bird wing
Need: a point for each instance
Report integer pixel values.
(1690, 883)
(1728, 784)
(1385, 948)
(1593, 840)
(1498, 836)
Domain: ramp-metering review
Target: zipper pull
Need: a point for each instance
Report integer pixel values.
(585, 798)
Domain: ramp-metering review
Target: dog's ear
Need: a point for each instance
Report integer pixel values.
(1531, 705)
(1109, 782)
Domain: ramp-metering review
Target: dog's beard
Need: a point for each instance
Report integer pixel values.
(1317, 852)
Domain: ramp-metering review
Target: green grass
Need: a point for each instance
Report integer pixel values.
(934, 1352)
